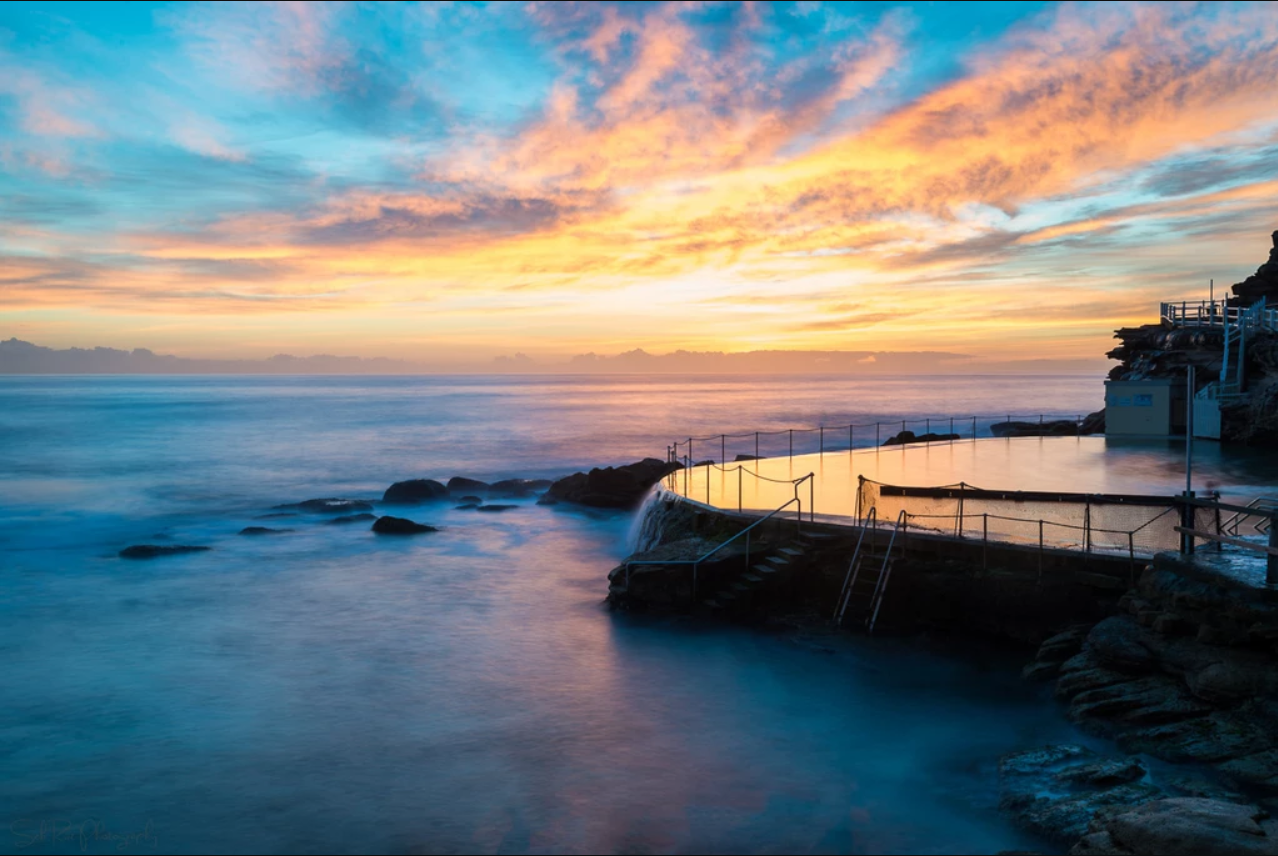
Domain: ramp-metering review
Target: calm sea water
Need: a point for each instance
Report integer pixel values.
(326, 690)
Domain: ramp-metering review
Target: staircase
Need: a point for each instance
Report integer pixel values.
(868, 574)
(768, 570)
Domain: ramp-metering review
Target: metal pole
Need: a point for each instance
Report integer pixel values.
(1040, 552)
(1271, 566)
(690, 458)
(707, 484)
(822, 441)
(985, 541)
(849, 439)
(876, 435)
(974, 428)
(739, 477)
(723, 446)
(928, 429)
(791, 442)
(1189, 433)
(756, 444)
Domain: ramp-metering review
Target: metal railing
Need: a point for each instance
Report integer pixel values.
(830, 438)
(746, 532)
(1218, 313)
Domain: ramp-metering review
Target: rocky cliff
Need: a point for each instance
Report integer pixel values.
(1156, 351)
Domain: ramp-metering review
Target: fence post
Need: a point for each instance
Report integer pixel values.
(811, 498)
(928, 429)
(1040, 553)
(690, 458)
(707, 484)
(849, 439)
(973, 429)
(1131, 556)
(1271, 565)
(791, 442)
(960, 511)
(1087, 527)
(739, 477)
(723, 448)
(756, 444)
(876, 435)
(822, 441)
(985, 542)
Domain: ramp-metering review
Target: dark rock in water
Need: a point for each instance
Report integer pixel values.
(153, 551)
(612, 487)
(466, 506)
(461, 484)
(276, 516)
(473, 499)
(349, 518)
(496, 507)
(739, 458)
(547, 499)
(414, 491)
(517, 487)
(1056, 791)
(1094, 423)
(1181, 825)
(400, 526)
(1052, 428)
(905, 437)
(262, 530)
(706, 463)
(330, 506)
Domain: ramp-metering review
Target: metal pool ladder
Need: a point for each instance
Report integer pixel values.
(870, 600)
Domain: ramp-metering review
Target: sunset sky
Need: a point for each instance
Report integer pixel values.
(458, 181)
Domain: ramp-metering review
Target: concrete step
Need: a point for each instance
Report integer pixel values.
(764, 569)
(779, 561)
(741, 587)
(754, 578)
(713, 604)
(790, 551)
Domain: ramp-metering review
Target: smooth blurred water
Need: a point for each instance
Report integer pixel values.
(327, 690)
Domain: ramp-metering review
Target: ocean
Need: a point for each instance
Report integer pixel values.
(328, 690)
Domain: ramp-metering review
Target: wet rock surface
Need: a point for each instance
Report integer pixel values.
(330, 505)
(612, 487)
(155, 551)
(349, 518)
(904, 437)
(413, 491)
(263, 530)
(1181, 825)
(400, 526)
(1186, 672)
(462, 485)
(517, 487)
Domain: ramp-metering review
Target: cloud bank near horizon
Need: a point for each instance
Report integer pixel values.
(456, 181)
(24, 358)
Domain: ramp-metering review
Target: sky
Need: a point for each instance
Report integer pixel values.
(457, 181)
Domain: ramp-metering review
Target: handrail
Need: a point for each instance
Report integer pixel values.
(696, 562)
(880, 589)
(845, 594)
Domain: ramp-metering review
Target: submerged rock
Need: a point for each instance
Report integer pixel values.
(349, 518)
(330, 506)
(1056, 791)
(476, 500)
(461, 484)
(905, 437)
(414, 491)
(154, 551)
(467, 506)
(262, 530)
(400, 526)
(1181, 825)
(276, 516)
(517, 487)
(496, 507)
(612, 487)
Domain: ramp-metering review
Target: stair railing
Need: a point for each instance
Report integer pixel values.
(746, 533)
(849, 580)
(885, 572)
